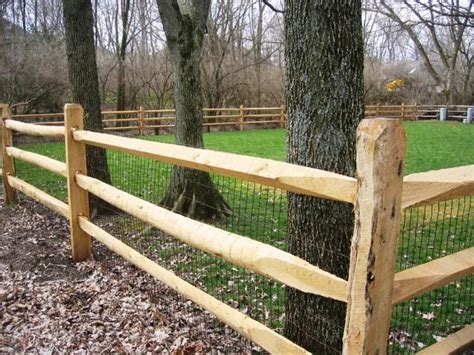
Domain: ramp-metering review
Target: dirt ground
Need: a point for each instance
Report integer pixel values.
(50, 305)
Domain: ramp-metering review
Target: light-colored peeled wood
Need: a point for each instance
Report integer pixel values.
(40, 196)
(251, 329)
(267, 172)
(248, 327)
(8, 164)
(78, 198)
(380, 159)
(242, 251)
(438, 185)
(426, 277)
(52, 165)
(35, 130)
(39, 115)
(453, 344)
(124, 112)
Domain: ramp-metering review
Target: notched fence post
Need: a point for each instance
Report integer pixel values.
(8, 165)
(78, 198)
(380, 160)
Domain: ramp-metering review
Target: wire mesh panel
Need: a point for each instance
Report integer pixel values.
(429, 233)
(260, 213)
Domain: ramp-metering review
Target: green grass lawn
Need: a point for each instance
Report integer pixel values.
(260, 213)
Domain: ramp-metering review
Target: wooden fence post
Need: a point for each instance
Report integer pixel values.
(402, 111)
(415, 112)
(380, 159)
(8, 165)
(142, 121)
(377, 110)
(242, 117)
(78, 198)
(282, 116)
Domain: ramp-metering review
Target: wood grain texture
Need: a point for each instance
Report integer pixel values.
(34, 129)
(242, 251)
(426, 277)
(8, 165)
(267, 172)
(438, 185)
(40, 196)
(453, 343)
(380, 159)
(52, 165)
(251, 329)
(78, 198)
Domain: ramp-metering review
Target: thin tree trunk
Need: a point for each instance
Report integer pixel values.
(190, 192)
(324, 70)
(81, 57)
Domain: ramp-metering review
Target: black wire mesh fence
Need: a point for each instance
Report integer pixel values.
(429, 233)
(260, 213)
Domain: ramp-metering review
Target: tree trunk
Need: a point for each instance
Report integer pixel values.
(81, 57)
(324, 90)
(190, 192)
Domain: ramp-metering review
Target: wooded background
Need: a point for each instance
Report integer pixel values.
(414, 52)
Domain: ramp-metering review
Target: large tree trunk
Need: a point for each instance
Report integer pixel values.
(324, 65)
(190, 192)
(83, 79)
(121, 55)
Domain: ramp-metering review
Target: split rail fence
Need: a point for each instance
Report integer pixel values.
(379, 195)
(142, 121)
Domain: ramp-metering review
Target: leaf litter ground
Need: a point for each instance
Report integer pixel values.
(51, 305)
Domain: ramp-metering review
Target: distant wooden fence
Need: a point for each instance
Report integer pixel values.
(143, 121)
(379, 195)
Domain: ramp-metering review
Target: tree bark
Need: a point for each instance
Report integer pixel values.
(190, 192)
(324, 97)
(83, 79)
(121, 55)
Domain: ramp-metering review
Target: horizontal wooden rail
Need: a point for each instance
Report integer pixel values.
(245, 252)
(454, 343)
(267, 172)
(134, 119)
(251, 329)
(52, 165)
(438, 185)
(164, 118)
(125, 128)
(40, 115)
(40, 196)
(125, 112)
(35, 130)
(222, 116)
(426, 277)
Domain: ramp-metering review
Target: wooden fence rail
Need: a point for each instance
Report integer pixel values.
(379, 194)
(143, 121)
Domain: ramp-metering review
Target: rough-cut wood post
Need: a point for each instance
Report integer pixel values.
(8, 166)
(282, 116)
(415, 112)
(402, 111)
(78, 198)
(242, 117)
(142, 121)
(380, 160)
(377, 110)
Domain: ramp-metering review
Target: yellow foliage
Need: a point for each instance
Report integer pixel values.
(395, 84)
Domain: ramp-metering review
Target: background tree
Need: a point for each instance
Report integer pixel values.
(81, 58)
(441, 32)
(190, 192)
(324, 96)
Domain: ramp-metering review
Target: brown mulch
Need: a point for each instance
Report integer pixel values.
(48, 304)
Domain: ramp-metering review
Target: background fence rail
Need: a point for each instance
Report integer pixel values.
(143, 121)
